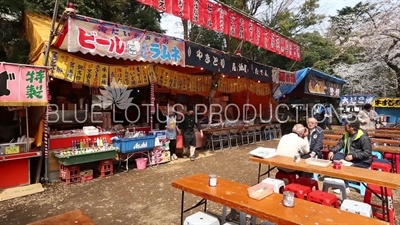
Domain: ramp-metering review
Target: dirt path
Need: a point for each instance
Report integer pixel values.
(136, 197)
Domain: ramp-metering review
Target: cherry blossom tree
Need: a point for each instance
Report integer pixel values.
(372, 30)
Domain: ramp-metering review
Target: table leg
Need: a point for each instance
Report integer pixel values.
(266, 173)
(385, 201)
(394, 163)
(205, 205)
(182, 206)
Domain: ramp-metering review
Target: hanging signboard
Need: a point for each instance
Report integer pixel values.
(200, 56)
(220, 62)
(386, 102)
(104, 39)
(283, 77)
(356, 100)
(318, 86)
(224, 20)
(23, 85)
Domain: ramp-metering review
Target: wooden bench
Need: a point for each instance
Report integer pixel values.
(334, 137)
(380, 148)
(75, 217)
(234, 195)
(382, 141)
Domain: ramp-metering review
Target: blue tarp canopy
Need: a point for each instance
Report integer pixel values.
(284, 89)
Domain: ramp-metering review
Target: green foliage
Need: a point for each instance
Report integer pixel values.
(206, 37)
(13, 46)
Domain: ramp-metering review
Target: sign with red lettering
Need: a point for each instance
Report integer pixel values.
(283, 77)
(221, 19)
(111, 40)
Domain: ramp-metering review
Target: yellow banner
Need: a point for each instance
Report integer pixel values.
(70, 76)
(151, 74)
(144, 75)
(132, 76)
(103, 75)
(181, 81)
(80, 71)
(61, 66)
(89, 73)
(386, 102)
(96, 76)
(117, 73)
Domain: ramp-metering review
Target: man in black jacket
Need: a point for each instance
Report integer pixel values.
(189, 135)
(355, 146)
(315, 138)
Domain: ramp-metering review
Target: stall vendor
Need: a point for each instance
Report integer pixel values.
(189, 134)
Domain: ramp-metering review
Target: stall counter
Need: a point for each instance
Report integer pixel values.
(15, 169)
(62, 142)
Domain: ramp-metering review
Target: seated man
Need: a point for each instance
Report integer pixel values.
(356, 147)
(294, 143)
(315, 137)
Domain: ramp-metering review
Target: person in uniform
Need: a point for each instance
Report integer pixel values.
(188, 132)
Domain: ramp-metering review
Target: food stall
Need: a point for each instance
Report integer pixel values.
(23, 97)
(353, 105)
(311, 87)
(90, 90)
(388, 110)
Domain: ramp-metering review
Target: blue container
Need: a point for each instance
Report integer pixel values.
(131, 145)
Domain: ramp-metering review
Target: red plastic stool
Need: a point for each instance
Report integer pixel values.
(299, 190)
(105, 168)
(393, 158)
(305, 181)
(291, 177)
(385, 167)
(375, 207)
(323, 198)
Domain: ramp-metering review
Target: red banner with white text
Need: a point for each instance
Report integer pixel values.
(224, 20)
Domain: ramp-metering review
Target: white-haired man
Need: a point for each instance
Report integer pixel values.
(294, 143)
(315, 137)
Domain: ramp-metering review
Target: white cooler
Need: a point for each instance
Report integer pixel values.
(201, 218)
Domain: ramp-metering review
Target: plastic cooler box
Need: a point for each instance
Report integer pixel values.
(139, 144)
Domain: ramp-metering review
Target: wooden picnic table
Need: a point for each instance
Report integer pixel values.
(75, 217)
(356, 174)
(383, 179)
(235, 195)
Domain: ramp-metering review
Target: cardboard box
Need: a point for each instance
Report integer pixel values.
(86, 175)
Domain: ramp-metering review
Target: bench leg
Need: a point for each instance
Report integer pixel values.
(182, 206)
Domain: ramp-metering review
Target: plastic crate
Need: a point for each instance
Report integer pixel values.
(139, 144)
(85, 158)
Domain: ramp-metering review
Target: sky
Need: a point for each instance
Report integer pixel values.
(173, 24)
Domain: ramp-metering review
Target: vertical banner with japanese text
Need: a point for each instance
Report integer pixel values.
(23, 85)
(220, 18)
(106, 39)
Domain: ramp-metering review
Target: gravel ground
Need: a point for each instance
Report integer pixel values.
(137, 197)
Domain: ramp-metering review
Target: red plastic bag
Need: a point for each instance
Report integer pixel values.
(179, 141)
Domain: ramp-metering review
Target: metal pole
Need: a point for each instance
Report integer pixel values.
(46, 125)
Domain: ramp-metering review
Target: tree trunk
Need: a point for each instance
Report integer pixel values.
(185, 25)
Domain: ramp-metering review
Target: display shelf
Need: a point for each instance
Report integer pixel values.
(24, 155)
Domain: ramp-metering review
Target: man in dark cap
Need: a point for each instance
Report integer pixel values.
(189, 134)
